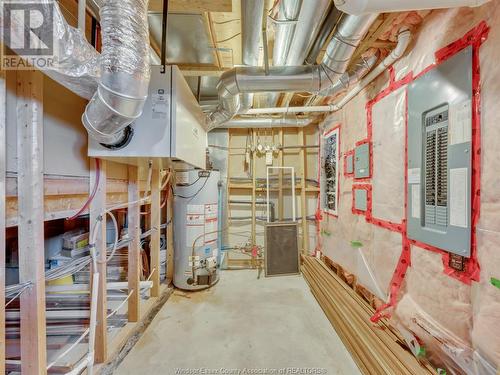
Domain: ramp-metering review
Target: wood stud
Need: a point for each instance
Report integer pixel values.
(154, 247)
(98, 222)
(134, 248)
(31, 221)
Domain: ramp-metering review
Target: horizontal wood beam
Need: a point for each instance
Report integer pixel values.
(192, 6)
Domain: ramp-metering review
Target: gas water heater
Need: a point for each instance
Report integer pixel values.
(196, 226)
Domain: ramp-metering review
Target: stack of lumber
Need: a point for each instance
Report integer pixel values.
(376, 349)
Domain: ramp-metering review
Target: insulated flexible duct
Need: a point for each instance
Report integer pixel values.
(315, 78)
(116, 81)
(125, 71)
(74, 62)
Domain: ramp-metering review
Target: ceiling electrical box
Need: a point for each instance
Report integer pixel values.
(440, 155)
(362, 161)
(171, 127)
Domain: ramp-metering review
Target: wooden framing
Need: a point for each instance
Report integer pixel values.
(134, 248)
(98, 222)
(154, 247)
(31, 219)
(251, 189)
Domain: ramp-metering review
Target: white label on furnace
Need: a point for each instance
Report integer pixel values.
(415, 201)
(159, 104)
(414, 176)
(460, 122)
(458, 197)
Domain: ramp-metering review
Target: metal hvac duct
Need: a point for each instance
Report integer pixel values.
(288, 121)
(351, 77)
(313, 78)
(285, 25)
(125, 71)
(326, 29)
(252, 12)
(116, 81)
(75, 62)
(296, 30)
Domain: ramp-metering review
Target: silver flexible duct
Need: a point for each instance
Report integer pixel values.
(116, 81)
(75, 62)
(252, 12)
(125, 71)
(312, 78)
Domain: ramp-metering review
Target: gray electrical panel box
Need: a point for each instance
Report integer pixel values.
(361, 199)
(362, 161)
(349, 160)
(439, 155)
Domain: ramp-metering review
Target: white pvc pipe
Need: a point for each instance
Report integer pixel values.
(358, 7)
(404, 39)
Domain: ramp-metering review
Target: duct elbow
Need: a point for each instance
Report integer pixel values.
(125, 72)
(404, 39)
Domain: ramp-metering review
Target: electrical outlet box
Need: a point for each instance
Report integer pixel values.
(361, 199)
(362, 161)
(349, 161)
(440, 155)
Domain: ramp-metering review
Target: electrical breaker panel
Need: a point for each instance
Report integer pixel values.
(362, 161)
(439, 155)
(330, 171)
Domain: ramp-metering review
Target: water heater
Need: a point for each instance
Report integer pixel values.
(196, 220)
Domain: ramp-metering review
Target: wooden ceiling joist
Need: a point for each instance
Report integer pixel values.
(192, 6)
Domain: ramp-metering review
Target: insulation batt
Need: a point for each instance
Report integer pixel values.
(459, 323)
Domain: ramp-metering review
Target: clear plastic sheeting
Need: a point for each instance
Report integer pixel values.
(74, 61)
(388, 125)
(125, 70)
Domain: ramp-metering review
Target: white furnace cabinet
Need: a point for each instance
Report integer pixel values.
(171, 126)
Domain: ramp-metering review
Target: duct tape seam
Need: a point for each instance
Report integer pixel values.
(475, 38)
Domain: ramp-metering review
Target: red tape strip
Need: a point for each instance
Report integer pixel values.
(475, 38)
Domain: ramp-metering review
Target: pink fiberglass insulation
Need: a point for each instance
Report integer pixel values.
(459, 322)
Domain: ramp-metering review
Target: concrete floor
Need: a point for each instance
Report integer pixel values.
(241, 323)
